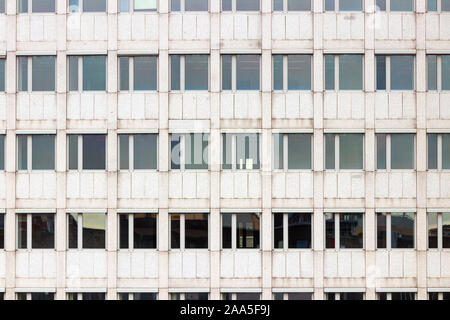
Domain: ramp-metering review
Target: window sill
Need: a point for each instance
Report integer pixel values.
(138, 171)
(35, 249)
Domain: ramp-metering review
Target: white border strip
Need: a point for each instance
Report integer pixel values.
(344, 290)
(395, 130)
(137, 290)
(292, 51)
(241, 290)
(33, 290)
(86, 131)
(438, 51)
(292, 130)
(438, 130)
(343, 210)
(344, 51)
(2, 131)
(87, 52)
(293, 290)
(188, 290)
(2, 210)
(280, 210)
(240, 131)
(240, 51)
(25, 131)
(86, 210)
(22, 210)
(3, 54)
(395, 51)
(140, 210)
(85, 290)
(396, 290)
(240, 210)
(438, 289)
(2, 289)
(395, 210)
(191, 130)
(438, 210)
(137, 52)
(136, 131)
(188, 51)
(176, 210)
(344, 130)
(36, 53)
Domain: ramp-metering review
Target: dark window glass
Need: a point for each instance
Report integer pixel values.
(42, 295)
(226, 72)
(23, 6)
(144, 230)
(381, 72)
(124, 151)
(43, 156)
(124, 65)
(402, 5)
(329, 70)
(402, 230)
(247, 72)
(278, 231)
(382, 296)
(381, 230)
(196, 5)
(299, 230)
(402, 151)
(196, 231)
(402, 71)
(2, 231)
(247, 5)
(73, 152)
(145, 73)
(351, 151)
(196, 296)
(175, 72)
(22, 231)
(299, 72)
(22, 77)
(350, 5)
(145, 151)
(351, 295)
(446, 295)
(403, 296)
(123, 228)
(2, 152)
(144, 296)
(329, 5)
(226, 5)
(445, 6)
(446, 230)
(445, 151)
(43, 73)
(350, 72)
(43, 231)
(247, 233)
(175, 146)
(278, 296)
(351, 230)
(445, 66)
(22, 152)
(432, 230)
(432, 151)
(2, 10)
(94, 6)
(21, 296)
(248, 296)
(227, 157)
(196, 72)
(433, 295)
(299, 5)
(175, 5)
(277, 72)
(73, 230)
(432, 5)
(432, 72)
(43, 6)
(93, 296)
(381, 151)
(175, 233)
(2, 74)
(94, 152)
(226, 230)
(247, 151)
(331, 296)
(330, 155)
(94, 230)
(94, 73)
(300, 296)
(329, 231)
(73, 73)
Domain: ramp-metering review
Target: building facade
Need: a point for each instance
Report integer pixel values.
(225, 149)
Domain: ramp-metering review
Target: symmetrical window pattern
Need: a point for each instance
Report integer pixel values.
(344, 230)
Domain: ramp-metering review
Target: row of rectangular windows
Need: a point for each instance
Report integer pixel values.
(238, 72)
(40, 6)
(240, 151)
(394, 230)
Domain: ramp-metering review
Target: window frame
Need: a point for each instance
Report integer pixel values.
(234, 295)
(183, 6)
(234, 73)
(234, 231)
(439, 226)
(183, 231)
(336, 72)
(79, 295)
(131, 9)
(80, 8)
(388, 7)
(29, 229)
(28, 295)
(183, 151)
(286, 73)
(439, 72)
(438, 7)
(234, 165)
(130, 295)
(337, 7)
(80, 230)
(80, 75)
(439, 154)
(131, 216)
(234, 7)
(183, 73)
(388, 230)
(285, 295)
(286, 151)
(388, 73)
(131, 78)
(389, 295)
(337, 230)
(337, 164)
(30, 74)
(4, 75)
(131, 137)
(337, 295)
(182, 295)
(80, 152)
(285, 231)
(30, 168)
(388, 152)
(30, 8)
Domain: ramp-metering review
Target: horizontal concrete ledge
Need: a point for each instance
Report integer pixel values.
(176, 290)
(35, 290)
(153, 210)
(396, 289)
(240, 290)
(136, 52)
(293, 290)
(176, 210)
(395, 210)
(137, 290)
(86, 210)
(82, 290)
(344, 289)
(22, 210)
(350, 210)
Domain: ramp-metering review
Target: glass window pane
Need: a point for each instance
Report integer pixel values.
(22, 152)
(196, 150)
(432, 151)
(123, 231)
(144, 296)
(247, 296)
(277, 72)
(299, 5)
(433, 296)
(22, 231)
(226, 72)
(196, 231)
(446, 151)
(351, 295)
(124, 151)
(124, 5)
(247, 72)
(299, 72)
(93, 295)
(278, 231)
(381, 151)
(196, 296)
(145, 151)
(2, 75)
(350, 5)
(226, 5)
(94, 230)
(350, 71)
(226, 150)
(43, 155)
(42, 295)
(351, 151)
(43, 231)
(402, 5)
(446, 230)
(299, 230)
(2, 152)
(2, 6)
(2, 231)
(94, 152)
(247, 233)
(277, 5)
(196, 5)
(145, 5)
(329, 72)
(196, 72)
(175, 72)
(299, 151)
(23, 6)
(175, 151)
(432, 72)
(144, 230)
(381, 230)
(329, 5)
(43, 6)
(145, 73)
(432, 230)
(402, 230)
(329, 231)
(73, 73)
(73, 230)
(445, 5)
(402, 151)
(247, 5)
(432, 5)
(445, 70)
(299, 296)
(381, 72)
(74, 6)
(351, 230)
(73, 152)
(175, 5)
(175, 232)
(247, 151)
(22, 77)
(94, 6)
(226, 230)
(330, 155)
(278, 296)
(43, 73)
(403, 295)
(402, 72)
(124, 64)
(278, 151)
(94, 73)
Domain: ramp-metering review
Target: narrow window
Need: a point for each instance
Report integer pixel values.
(94, 152)
(247, 72)
(329, 72)
(94, 73)
(350, 72)
(432, 72)
(351, 230)
(402, 151)
(2, 75)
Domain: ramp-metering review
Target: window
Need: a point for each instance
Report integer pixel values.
(395, 151)
(240, 5)
(395, 72)
(2, 6)
(35, 230)
(2, 230)
(240, 151)
(189, 5)
(189, 151)
(438, 68)
(35, 296)
(86, 151)
(137, 296)
(36, 6)
(138, 151)
(395, 5)
(2, 152)
(292, 151)
(86, 230)
(87, 5)
(344, 5)
(438, 5)
(396, 296)
(241, 296)
(344, 230)
(439, 296)
(86, 296)
(438, 151)
(438, 230)
(138, 73)
(87, 73)
(292, 296)
(240, 230)
(189, 296)
(2, 74)
(292, 72)
(395, 230)
(241, 72)
(43, 156)
(345, 295)
(291, 5)
(292, 230)
(137, 230)
(344, 151)
(189, 72)
(137, 5)
(343, 71)
(189, 231)
(36, 73)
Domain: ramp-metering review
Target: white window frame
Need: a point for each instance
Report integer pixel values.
(131, 8)
(439, 152)
(337, 230)
(438, 72)
(131, 152)
(30, 153)
(336, 71)
(389, 230)
(286, 72)
(183, 151)
(80, 152)
(439, 231)
(286, 152)
(234, 230)
(234, 7)
(388, 72)
(388, 7)
(29, 216)
(183, 231)
(131, 73)
(336, 7)
(234, 73)
(30, 8)
(234, 151)
(81, 8)
(81, 75)
(286, 231)
(30, 73)
(80, 230)
(337, 164)
(388, 151)
(131, 231)
(183, 73)
(183, 6)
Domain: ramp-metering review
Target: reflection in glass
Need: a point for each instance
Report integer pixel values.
(381, 230)
(145, 225)
(299, 230)
(94, 151)
(247, 233)
(247, 151)
(402, 151)
(432, 230)
(94, 230)
(402, 230)
(351, 230)
(196, 231)
(43, 231)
